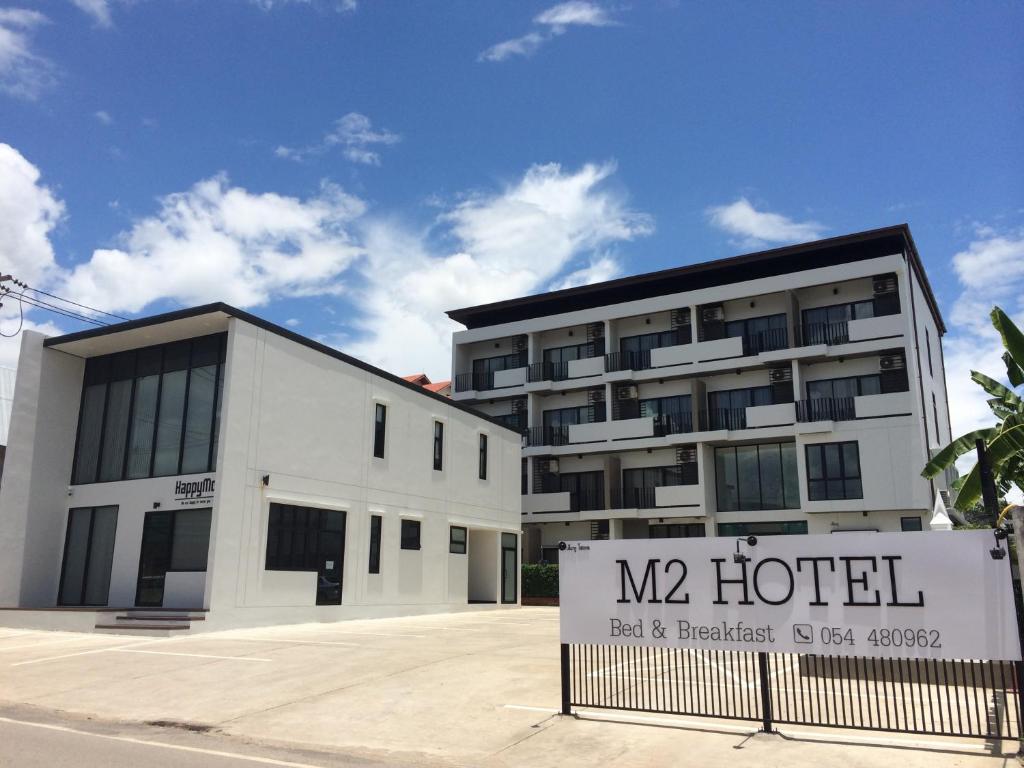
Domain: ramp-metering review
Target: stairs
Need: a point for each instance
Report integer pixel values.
(153, 622)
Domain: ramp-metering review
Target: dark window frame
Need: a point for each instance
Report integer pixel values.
(827, 478)
(488, 365)
(758, 528)
(88, 554)
(640, 341)
(676, 531)
(376, 531)
(859, 378)
(408, 540)
(438, 446)
(458, 547)
(380, 425)
(906, 526)
(482, 458)
(307, 527)
(786, 503)
(928, 344)
(582, 353)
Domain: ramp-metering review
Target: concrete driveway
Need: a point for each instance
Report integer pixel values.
(476, 688)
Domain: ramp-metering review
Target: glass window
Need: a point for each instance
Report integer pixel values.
(762, 528)
(191, 540)
(567, 353)
(847, 386)
(306, 539)
(457, 540)
(438, 446)
(88, 554)
(728, 407)
(483, 457)
(833, 471)
(379, 425)
(375, 527)
(676, 531)
(410, 534)
(563, 417)
(490, 365)
(910, 524)
(150, 412)
(756, 477)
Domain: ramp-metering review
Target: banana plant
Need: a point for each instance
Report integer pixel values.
(1004, 443)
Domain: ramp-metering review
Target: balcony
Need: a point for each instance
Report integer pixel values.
(547, 436)
(775, 415)
(881, 327)
(826, 409)
(826, 333)
(725, 418)
(673, 424)
(765, 341)
(483, 381)
(546, 503)
(617, 429)
(627, 361)
(717, 349)
(548, 371)
(888, 404)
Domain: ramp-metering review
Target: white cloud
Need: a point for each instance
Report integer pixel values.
(103, 117)
(600, 269)
(991, 272)
(505, 244)
(551, 23)
(218, 242)
(353, 134)
(755, 228)
(342, 6)
(29, 212)
(23, 73)
(98, 9)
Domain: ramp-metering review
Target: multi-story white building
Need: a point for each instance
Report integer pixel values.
(206, 463)
(796, 390)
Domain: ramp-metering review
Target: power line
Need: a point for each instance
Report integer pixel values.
(40, 304)
(69, 301)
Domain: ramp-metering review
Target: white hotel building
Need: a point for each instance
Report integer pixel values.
(796, 390)
(206, 464)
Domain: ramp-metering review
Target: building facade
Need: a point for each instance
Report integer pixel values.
(798, 390)
(206, 460)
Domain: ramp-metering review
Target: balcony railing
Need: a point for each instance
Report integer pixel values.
(627, 361)
(586, 499)
(469, 382)
(826, 333)
(726, 418)
(646, 497)
(673, 424)
(548, 371)
(547, 436)
(765, 341)
(826, 409)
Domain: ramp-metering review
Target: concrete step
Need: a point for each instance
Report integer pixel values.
(142, 630)
(179, 617)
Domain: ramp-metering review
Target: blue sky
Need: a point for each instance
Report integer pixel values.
(354, 168)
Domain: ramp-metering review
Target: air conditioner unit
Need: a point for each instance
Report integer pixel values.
(712, 314)
(780, 374)
(884, 283)
(595, 395)
(627, 393)
(891, 362)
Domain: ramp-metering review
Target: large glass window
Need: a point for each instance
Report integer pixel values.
(833, 471)
(88, 554)
(756, 477)
(760, 334)
(848, 386)
(676, 531)
(410, 534)
(489, 365)
(300, 538)
(150, 412)
(191, 540)
(638, 484)
(564, 417)
(567, 353)
(586, 489)
(645, 342)
(672, 415)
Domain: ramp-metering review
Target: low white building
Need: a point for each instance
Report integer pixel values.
(796, 390)
(206, 463)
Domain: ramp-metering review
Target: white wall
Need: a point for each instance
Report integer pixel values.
(8, 376)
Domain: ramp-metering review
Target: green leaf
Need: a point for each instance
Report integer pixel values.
(1013, 371)
(1013, 340)
(997, 390)
(963, 444)
(1005, 447)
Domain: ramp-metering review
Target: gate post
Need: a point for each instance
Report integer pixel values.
(766, 696)
(566, 703)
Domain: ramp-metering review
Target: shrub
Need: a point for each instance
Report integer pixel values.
(540, 580)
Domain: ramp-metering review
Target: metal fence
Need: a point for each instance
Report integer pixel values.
(919, 696)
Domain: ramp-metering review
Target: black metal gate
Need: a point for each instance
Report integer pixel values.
(921, 696)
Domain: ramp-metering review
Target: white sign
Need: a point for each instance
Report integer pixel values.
(910, 595)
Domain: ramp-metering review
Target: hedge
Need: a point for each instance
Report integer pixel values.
(540, 580)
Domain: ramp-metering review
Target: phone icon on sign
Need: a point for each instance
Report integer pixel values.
(803, 633)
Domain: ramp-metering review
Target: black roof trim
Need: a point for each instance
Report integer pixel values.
(259, 322)
(792, 258)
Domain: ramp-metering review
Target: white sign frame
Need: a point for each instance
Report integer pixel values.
(939, 595)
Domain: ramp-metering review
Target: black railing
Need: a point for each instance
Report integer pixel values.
(586, 499)
(547, 436)
(673, 424)
(826, 409)
(548, 371)
(627, 361)
(726, 418)
(922, 696)
(765, 341)
(826, 333)
(470, 382)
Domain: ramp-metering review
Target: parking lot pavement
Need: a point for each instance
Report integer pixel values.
(475, 688)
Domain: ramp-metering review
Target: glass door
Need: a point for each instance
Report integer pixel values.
(509, 568)
(88, 555)
(330, 557)
(155, 560)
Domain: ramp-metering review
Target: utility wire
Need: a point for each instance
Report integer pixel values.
(44, 305)
(21, 315)
(69, 301)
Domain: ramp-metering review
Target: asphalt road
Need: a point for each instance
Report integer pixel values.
(31, 738)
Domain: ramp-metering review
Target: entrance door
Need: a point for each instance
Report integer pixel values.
(509, 568)
(88, 555)
(155, 560)
(330, 557)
